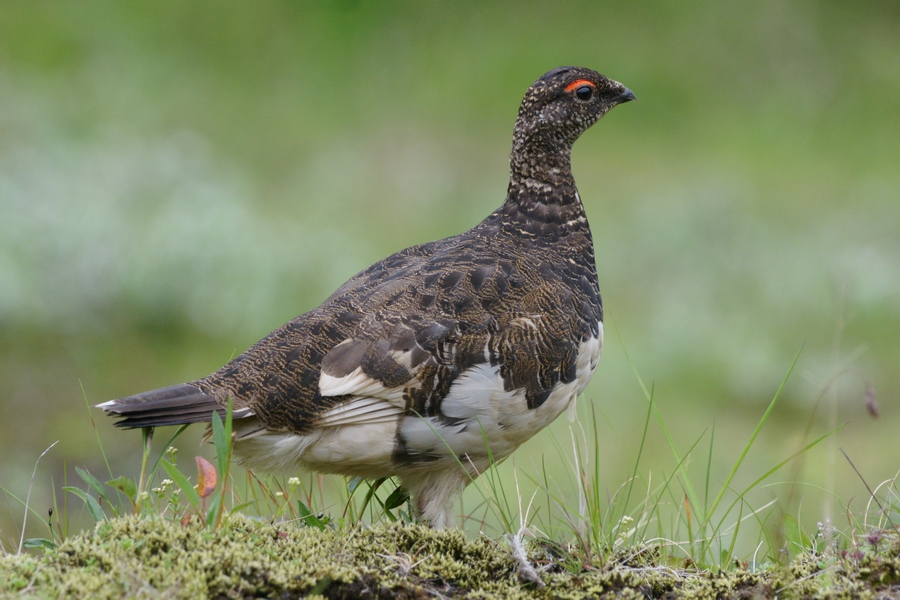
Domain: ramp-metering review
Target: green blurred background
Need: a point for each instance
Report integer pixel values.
(177, 179)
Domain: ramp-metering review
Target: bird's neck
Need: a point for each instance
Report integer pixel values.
(541, 185)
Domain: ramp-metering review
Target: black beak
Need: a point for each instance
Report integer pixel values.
(626, 96)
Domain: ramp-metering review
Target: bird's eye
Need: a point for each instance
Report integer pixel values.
(584, 92)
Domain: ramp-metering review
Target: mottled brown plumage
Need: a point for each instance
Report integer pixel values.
(417, 362)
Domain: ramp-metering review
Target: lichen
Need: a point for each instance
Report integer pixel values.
(147, 556)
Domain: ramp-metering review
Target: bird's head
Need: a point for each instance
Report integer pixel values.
(561, 105)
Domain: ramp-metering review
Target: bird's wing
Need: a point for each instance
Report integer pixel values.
(407, 368)
(449, 369)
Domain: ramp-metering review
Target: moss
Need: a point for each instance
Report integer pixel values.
(246, 558)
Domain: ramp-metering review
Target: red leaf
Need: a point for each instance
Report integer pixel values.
(206, 477)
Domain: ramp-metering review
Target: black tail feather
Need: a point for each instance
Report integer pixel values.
(174, 405)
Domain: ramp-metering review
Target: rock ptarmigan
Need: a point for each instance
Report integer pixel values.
(442, 357)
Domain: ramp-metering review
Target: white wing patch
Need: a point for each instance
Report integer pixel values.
(360, 411)
(472, 392)
(478, 408)
(585, 365)
(356, 383)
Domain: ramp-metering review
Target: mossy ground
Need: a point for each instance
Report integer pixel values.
(153, 557)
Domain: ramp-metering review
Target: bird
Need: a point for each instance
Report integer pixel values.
(441, 359)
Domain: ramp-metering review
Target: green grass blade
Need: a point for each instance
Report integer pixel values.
(220, 442)
(42, 543)
(182, 482)
(777, 467)
(212, 511)
(126, 486)
(686, 481)
(712, 438)
(752, 439)
(370, 493)
(224, 442)
(396, 499)
(309, 517)
(91, 481)
(168, 444)
(640, 453)
(94, 427)
(90, 501)
(734, 536)
(146, 439)
(98, 487)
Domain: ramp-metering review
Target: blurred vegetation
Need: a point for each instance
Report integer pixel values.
(177, 179)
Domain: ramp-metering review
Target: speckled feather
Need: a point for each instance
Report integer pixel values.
(439, 347)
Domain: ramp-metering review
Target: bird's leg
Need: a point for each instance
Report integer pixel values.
(434, 493)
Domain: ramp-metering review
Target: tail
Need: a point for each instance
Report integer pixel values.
(175, 405)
